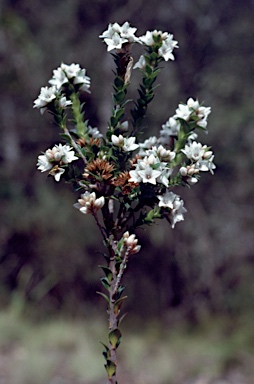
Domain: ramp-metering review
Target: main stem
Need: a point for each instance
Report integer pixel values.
(113, 322)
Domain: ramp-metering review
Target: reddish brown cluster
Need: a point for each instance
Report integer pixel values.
(98, 169)
(83, 143)
(122, 181)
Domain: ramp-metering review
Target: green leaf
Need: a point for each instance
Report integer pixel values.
(149, 70)
(103, 295)
(118, 82)
(107, 272)
(119, 97)
(121, 318)
(115, 337)
(119, 292)
(106, 352)
(118, 304)
(105, 283)
(119, 113)
(113, 121)
(153, 56)
(110, 368)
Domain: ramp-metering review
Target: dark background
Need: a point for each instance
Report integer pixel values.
(49, 252)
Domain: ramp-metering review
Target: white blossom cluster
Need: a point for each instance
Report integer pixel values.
(172, 202)
(166, 41)
(88, 203)
(63, 75)
(54, 159)
(151, 168)
(131, 243)
(116, 36)
(192, 110)
(126, 143)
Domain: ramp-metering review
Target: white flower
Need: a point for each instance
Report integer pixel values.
(141, 63)
(148, 143)
(83, 80)
(57, 172)
(135, 177)
(183, 112)
(47, 94)
(193, 110)
(128, 32)
(88, 203)
(188, 172)
(193, 104)
(126, 143)
(115, 42)
(115, 36)
(149, 175)
(194, 151)
(117, 140)
(66, 153)
(131, 243)
(165, 41)
(170, 128)
(129, 144)
(124, 126)
(162, 153)
(177, 212)
(43, 163)
(151, 159)
(53, 158)
(71, 70)
(94, 132)
(192, 137)
(164, 177)
(63, 102)
(148, 38)
(167, 200)
(167, 47)
(206, 165)
(173, 202)
(59, 78)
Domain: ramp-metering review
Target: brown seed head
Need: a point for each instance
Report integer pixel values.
(99, 167)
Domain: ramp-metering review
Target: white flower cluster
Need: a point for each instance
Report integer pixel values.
(201, 160)
(131, 243)
(199, 156)
(166, 40)
(53, 159)
(151, 168)
(61, 76)
(116, 36)
(173, 202)
(193, 111)
(126, 143)
(88, 203)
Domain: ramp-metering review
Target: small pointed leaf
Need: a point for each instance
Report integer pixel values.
(104, 296)
(105, 283)
(118, 304)
(115, 338)
(110, 368)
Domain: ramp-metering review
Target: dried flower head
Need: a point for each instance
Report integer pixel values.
(99, 169)
(122, 180)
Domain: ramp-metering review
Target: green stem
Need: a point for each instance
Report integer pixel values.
(74, 144)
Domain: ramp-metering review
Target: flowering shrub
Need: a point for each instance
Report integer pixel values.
(127, 180)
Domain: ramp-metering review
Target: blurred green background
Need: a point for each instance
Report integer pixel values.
(199, 276)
